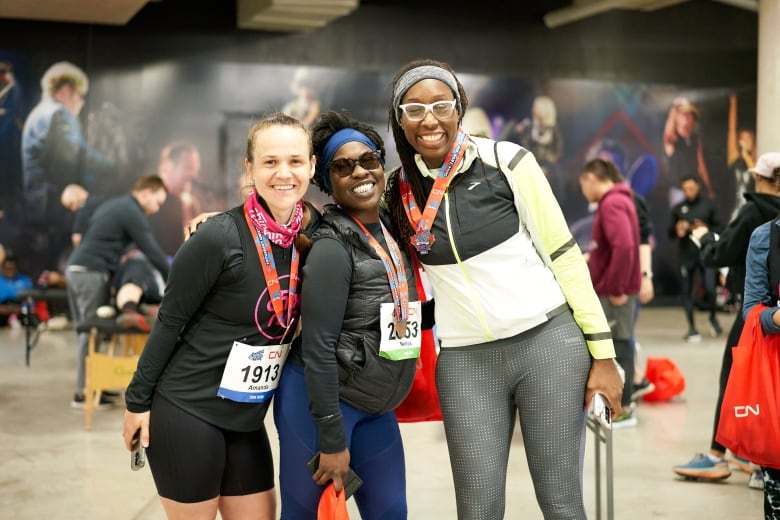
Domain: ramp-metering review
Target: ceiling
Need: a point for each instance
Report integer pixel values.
(303, 15)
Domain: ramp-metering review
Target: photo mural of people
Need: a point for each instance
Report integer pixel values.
(55, 153)
(13, 109)
(653, 132)
(741, 155)
(684, 148)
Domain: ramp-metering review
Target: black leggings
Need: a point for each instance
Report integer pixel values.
(725, 371)
(193, 461)
(709, 277)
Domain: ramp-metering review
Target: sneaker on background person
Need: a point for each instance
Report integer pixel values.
(756, 480)
(692, 336)
(150, 310)
(715, 329)
(627, 419)
(642, 388)
(13, 322)
(705, 467)
(130, 318)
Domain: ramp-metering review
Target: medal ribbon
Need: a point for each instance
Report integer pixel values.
(422, 223)
(394, 266)
(271, 278)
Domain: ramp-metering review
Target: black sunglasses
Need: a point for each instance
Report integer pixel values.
(345, 166)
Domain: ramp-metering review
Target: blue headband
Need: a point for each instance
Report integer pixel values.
(336, 141)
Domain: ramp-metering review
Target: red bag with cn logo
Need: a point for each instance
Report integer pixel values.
(750, 415)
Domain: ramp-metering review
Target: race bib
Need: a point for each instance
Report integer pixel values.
(399, 341)
(252, 374)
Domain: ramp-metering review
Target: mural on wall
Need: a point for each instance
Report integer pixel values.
(103, 128)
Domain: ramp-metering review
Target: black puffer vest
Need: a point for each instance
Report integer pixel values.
(366, 381)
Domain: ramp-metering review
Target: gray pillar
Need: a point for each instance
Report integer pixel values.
(768, 110)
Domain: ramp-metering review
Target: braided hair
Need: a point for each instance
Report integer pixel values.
(406, 152)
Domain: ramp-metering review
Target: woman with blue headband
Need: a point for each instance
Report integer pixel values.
(360, 339)
(520, 327)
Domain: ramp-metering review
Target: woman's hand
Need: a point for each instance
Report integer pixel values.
(333, 466)
(193, 224)
(604, 378)
(134, 422)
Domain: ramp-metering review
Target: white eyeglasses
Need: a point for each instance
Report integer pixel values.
(417, 111)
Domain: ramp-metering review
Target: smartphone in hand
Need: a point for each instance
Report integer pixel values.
(138, 454)
(352, 483)
(601, 410)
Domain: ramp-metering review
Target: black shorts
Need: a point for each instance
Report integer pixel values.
(139, 271)
(192, 460)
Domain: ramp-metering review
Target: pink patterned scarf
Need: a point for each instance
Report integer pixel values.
(266, 225)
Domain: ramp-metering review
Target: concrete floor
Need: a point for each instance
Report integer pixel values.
(51, 468)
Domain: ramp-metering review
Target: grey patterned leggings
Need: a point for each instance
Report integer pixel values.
(542, 374)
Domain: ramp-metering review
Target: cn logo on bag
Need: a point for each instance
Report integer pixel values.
(746, 410)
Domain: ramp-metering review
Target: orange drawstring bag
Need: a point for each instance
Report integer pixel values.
(333, 506)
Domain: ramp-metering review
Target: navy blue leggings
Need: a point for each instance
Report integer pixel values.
(376, 455)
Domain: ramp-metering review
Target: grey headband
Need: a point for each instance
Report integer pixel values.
(417, 74)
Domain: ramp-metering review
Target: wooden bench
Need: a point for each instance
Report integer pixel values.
(113, 369)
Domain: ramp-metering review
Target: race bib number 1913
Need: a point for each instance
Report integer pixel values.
(251, 373)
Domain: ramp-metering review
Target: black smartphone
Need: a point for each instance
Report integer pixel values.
(138, 454)
(352, 483)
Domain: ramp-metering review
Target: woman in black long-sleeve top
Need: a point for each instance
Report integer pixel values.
(215, 355)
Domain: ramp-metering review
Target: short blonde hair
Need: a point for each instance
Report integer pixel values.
(64, 73)
(544, 107)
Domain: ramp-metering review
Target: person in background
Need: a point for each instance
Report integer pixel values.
(761, 287)
(695, 211)
(55, 153)
(740, 156)
(211, 364)
(541, 135)
(609, 150)
(613, 262)
(117, 223)
(684, 148)
(78, 200)
(339, 390)
(12, 110)
(179, 166)
(513, 297)
(306, 105)
(11, 283)
(139, 289)
(728, 249)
